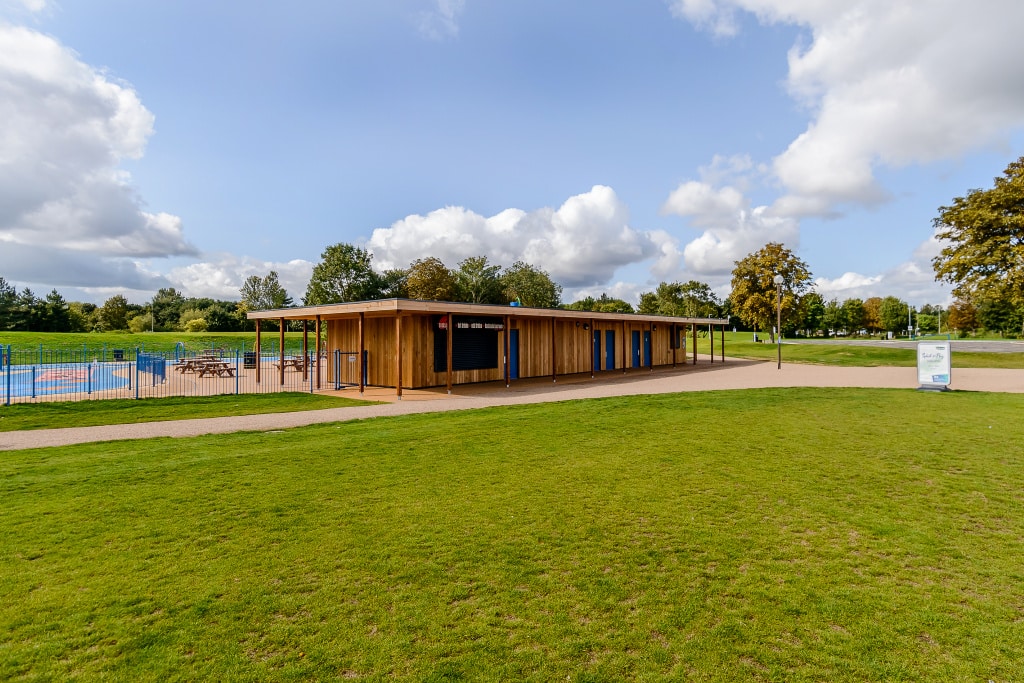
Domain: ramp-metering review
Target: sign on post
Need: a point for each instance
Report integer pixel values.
(933, 366)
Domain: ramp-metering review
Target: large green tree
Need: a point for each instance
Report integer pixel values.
(530, 286)
(693, 299)
(602, 304)
(343, 274)
(262, 293)
(983, 238)
(893, 314)
(753, 287)
(854, 313)
(114, 313)
(814, 313)
(479, 282)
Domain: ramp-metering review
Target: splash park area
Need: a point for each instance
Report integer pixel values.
(31, 375)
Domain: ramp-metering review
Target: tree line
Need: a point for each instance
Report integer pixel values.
(982, 235)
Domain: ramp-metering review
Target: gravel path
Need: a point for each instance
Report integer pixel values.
(734, 374)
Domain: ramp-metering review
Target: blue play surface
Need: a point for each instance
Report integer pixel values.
(63, 378)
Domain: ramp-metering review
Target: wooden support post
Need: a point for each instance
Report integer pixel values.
(508, 351)
(554, 356)
(590, 340)
(362, 352)
(674, 342)
(451, 343)
(398, 356)
(281, 349)
(711, 338)
(258, 363)
(650, 358)
(305, 350)
(695, 343)
(625, 343)
(723, 343)
(317, 352)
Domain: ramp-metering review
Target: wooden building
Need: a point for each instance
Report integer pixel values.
(438, 343)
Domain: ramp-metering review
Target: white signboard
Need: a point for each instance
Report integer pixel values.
(933, 363)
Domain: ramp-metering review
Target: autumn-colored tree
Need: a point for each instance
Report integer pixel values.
(429, 279)
(872, 314)
(753, 287)
(983, 234)
(963, 317)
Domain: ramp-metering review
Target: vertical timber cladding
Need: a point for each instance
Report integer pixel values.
(477, 349)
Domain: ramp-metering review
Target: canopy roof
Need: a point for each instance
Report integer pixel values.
(392, 307)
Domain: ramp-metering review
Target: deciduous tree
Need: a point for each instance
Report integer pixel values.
(343, 274)
(263, 293)
(893, 313)
(530, 286)
(479, 282)
(983, 238)
(431, 280)
(114, 313)
(963, 317)
(753, 287)
(872, 314)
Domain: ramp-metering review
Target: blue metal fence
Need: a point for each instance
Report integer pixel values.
(41, 374)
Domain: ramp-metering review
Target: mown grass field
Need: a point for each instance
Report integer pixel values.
(48, 415)
(797, 535)
(741, 345)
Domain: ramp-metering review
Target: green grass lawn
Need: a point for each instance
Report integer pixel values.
(47, 415)
(796, 534)
(150, 341)
(740, 345)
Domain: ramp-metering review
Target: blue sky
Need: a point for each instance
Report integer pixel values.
(615, 144)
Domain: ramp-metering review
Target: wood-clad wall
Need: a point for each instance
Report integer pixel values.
(572, 353)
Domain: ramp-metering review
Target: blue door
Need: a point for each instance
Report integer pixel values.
(609, 349)
(647, 350)
(597, 350)
(636, 349)
(513, 354)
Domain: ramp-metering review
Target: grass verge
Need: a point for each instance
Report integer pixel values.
(785, 534)
(48, 415)
(739, 345)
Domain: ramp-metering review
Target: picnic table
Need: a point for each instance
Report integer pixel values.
(298, 364)
(205, 367)
(216, 368)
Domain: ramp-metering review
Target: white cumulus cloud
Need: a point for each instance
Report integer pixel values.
(732, 229)
(222, 276)
(580, 243)
(68, 215)
(886, 83)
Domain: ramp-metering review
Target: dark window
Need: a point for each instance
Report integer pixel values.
(474, 347)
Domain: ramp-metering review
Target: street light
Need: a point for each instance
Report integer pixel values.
(778, 312)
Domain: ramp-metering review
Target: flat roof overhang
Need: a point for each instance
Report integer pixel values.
(391, 307)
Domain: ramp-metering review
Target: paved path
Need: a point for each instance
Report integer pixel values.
(734, 374)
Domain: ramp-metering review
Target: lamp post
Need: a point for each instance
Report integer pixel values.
(778, 315)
